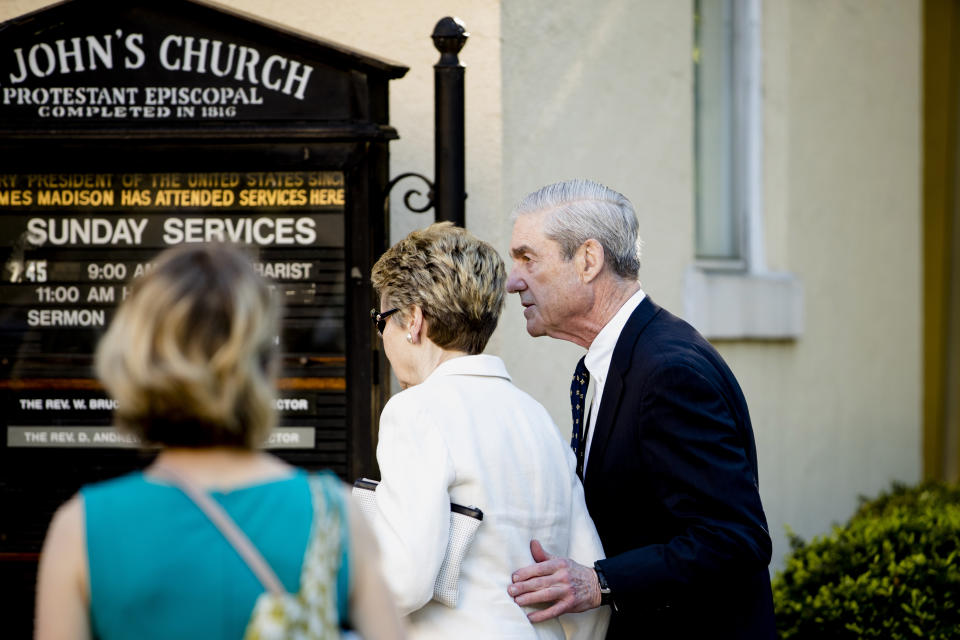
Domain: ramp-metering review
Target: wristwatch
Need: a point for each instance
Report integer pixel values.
(606, 596)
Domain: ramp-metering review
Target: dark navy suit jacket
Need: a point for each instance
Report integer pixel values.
(671, 484)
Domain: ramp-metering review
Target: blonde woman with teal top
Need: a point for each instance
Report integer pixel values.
(191, 360)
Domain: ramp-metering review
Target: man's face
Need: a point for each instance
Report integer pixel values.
(548, 285)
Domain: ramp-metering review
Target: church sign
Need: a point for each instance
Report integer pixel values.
(130, 127)
(150, 63)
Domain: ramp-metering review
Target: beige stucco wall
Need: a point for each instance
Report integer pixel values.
(837, 413)
(603, 89)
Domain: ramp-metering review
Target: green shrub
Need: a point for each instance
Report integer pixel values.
(891, 572)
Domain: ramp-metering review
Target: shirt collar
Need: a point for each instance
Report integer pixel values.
(601, 349)
(478, 365)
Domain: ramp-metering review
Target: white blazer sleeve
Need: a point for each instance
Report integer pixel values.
(585, 548)
(413, 504)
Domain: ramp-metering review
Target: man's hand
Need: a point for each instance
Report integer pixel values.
(571, 587)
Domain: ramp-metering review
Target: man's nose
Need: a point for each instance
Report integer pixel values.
(514, 283)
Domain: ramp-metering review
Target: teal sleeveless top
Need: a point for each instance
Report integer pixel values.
(159, 568)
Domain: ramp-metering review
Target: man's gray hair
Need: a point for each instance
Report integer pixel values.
(582, 209)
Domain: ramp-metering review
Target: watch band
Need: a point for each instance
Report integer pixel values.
(606, 596)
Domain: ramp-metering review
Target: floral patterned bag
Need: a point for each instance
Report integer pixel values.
(313, 613)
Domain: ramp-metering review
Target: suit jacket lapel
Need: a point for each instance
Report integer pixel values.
(614, 385)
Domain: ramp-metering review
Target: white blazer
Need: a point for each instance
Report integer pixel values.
(467, 435)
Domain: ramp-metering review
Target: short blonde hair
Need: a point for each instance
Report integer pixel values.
(190, 357)
(455, 278)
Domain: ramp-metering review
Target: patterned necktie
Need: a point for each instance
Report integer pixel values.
(578, 400)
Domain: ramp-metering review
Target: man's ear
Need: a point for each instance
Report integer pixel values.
(589, 260)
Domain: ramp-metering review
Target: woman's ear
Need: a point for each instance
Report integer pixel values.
(415, 324)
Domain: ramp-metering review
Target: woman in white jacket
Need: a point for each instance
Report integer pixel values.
(460, 431)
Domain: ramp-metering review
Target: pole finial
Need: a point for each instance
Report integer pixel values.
(449, 36)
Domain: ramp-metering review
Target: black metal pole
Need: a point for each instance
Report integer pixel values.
(450, 182)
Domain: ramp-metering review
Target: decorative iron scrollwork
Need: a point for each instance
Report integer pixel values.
(412, 192)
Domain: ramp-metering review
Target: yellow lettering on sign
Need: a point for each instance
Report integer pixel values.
(16, 198)
(135, 198)
(273, 197)
(165, 180)
(326, 196)
(75, 198)
(285, 179)
(325, 179)
(70, 180)
(194, 198)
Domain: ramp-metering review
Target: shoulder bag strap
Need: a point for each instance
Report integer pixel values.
(222, 520)
(329, 488)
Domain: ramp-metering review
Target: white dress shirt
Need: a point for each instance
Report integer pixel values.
(598, 360)
(466, 434)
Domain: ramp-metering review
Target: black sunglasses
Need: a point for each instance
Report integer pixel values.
(380, 319)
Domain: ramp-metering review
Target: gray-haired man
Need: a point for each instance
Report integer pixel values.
(666, 449)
